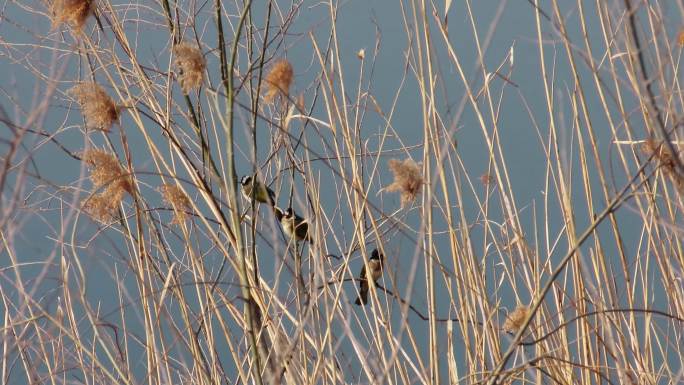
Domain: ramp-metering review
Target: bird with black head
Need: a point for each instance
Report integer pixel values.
(253, 188)
(374, 265)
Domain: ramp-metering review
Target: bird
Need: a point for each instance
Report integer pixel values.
(375, 265)
(262, 194)
(278, 212)
(294, 226)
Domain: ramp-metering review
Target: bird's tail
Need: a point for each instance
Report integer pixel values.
(362, 299)
(271, 198)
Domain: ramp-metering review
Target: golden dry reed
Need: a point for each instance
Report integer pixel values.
(191, 66)
(97, 107)
(565, 218)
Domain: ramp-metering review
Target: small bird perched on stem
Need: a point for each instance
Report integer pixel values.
(375, 265)
(294, 226)
(252, 188)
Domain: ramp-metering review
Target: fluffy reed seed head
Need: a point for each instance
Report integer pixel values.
(106, 170)
(107, 174)
(102, 207)
(659, 151)
(279, 80)
(73, 12)
(97, 107)
(408, 179)
(180, 203)
(515, 319)
(191, 65)
(662, 154)
(486, 179)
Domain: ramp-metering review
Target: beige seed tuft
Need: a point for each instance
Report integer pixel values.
(515, 319)
(279, 80)
(106, 170)
(103, 206)
(107, 175)
(191, 65)
(175, 197)
(662, 154)
(486, 179)
(97, 107)
(408, 179)
(72, 12)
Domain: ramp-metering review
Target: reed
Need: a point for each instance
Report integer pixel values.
(530, 215)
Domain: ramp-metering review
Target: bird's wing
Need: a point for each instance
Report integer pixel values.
(278, 212)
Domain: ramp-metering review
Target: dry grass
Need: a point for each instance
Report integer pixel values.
(569, 202)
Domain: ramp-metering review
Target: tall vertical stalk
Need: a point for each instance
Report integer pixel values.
(251, 312)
